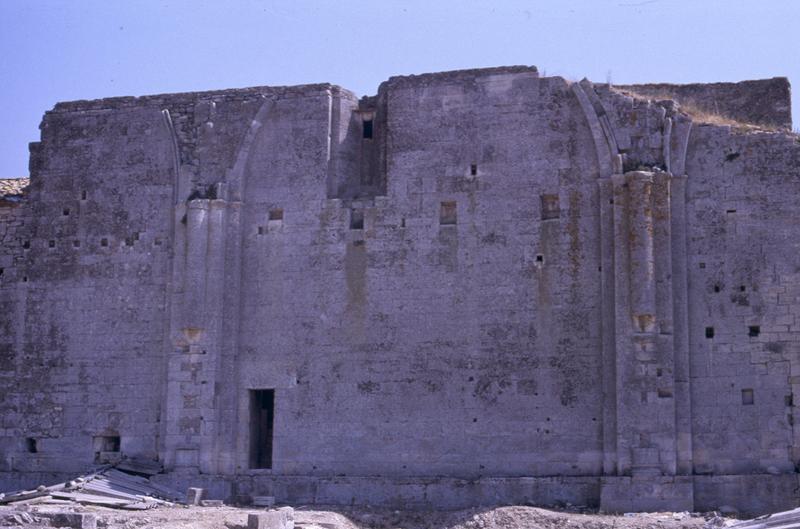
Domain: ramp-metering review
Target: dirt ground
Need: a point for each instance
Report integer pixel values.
(516, 517)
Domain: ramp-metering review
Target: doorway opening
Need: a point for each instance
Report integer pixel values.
(262, 415)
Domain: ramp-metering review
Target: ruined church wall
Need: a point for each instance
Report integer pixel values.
(411, 348)
(744, 299)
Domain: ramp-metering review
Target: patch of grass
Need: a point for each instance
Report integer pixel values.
(701, 115)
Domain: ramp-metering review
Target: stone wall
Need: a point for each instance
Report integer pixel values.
(504, 288)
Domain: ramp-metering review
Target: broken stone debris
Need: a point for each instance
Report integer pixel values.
(194, 496)
(108, 487)
(74, 520)
(778, 520)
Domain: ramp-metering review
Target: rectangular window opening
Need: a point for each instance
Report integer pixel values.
(51, 244)
(473, 169)
(103, 242)
(104, 445)
(551, 209)
(31, 445)
(276, 214)
(76, 243)
(65, 212)
(367, 129)
(753, 331)
(83, 195)
(709, 332)
(356, 219)
(748, 397)
(262, 416)
(448, 214)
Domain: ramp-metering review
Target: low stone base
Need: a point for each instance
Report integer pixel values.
(398, 493)
(647, 494)
(750, 494)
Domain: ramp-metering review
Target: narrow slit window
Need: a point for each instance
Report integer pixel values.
(473, 169)
(356, 219)
(83, 195)
(448, 213)
(262, 417)
(367, 129)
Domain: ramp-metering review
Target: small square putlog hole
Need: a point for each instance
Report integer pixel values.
(551, 209)
(747, 397)
(448, 213)
(753, 331)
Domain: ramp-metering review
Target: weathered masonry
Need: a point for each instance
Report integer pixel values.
(476, 287)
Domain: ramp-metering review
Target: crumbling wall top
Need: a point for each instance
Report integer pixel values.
(184, 98)
(762, 102)
(456, 75)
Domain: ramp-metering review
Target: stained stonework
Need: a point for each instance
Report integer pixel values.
(475, 287)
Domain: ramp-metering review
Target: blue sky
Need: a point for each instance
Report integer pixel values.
(58, 50)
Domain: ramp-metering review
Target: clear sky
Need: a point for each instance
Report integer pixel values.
(59, 50)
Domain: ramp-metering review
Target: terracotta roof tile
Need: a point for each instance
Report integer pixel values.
(13, 189)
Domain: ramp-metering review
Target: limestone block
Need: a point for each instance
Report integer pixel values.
(194, 496)
(278, 519)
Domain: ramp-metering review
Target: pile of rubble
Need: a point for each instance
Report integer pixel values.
(122, 487)
(778, 520)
